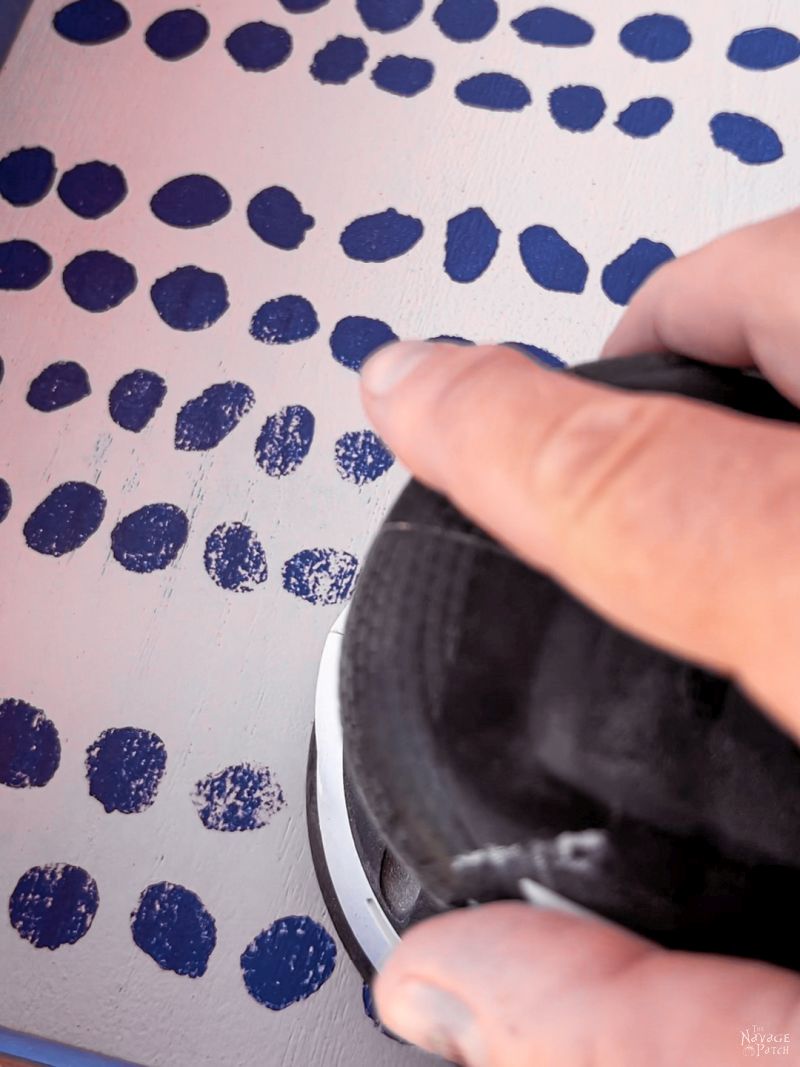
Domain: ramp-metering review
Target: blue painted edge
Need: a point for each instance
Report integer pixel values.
(12, 12)
(52, 1053)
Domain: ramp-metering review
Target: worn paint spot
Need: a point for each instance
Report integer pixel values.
(5, 499)
(284, 321)
(27, 175)
(190, 298)
(299, 7)
(259, 46)
(577, 107)
(284, 441)
(451, 339)
(65, 519)
(150, 538)
(242, 797)
(386, 16)
(92, 21)
(361, 457)
(98, 281)
(190, 201)
(93, 189)
(380, 237)
(466, 20)
(288, 962)
(645, 117)
(550, 26)
(58, 386)
(494, 92)
(765, 48)
(552, 261)
(540, 355)
(339, 60)
(372, 1014)
(749, 139)
(173, 926)
(403, 75)
(125, 766)
(177, 34)
(656, 38)
(30, 749)
(276, 215)
(471, 243)
(208, 419)
(135, 398)
(623, 276)
(356, 337)
(322, 576)
(23, 264)
(235, 558)
(53, 905)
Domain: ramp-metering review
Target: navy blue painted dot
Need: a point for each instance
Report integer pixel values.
(451, 339)
(540, 355)
(372, 1014)
(173, 926)
(550, 26)
(645, 117)
(92, 189)
(300, 7)
(276, 215)
(288, 962)
(30, 750)
(58, 386)
(494, 92)
(552, 261)
(284, 321)
(2, 369)
(765, 48)
(623, 276)
(23, 264)
(466, 20)
(749, 139)
(356, 337)
(26, 175)
(385, 16)
(577, 107)
(403, 75)
(53, 905)
(207, 419)
(125, 766)
(5, 499)
(92, 21)
(361, 457)
(177, 34)
(65, 519)
(259, 46)
(234, 558)
(98, 281)
(339, 60)
(471, 243)
(190, 298)
(376, 238)
(656, 38)
(135, 398)
(150, 538)
(191, 200)
(242, 797)
(285, 440)
(322, 576)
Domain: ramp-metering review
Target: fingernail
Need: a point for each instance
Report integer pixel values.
(437, 1021)
(391, 364)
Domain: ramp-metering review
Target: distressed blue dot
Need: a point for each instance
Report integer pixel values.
(53, 905)
(125, 766)
(765, 48)
(26, 175)
(191, 200)
(92, 21)
(150, 538)
(259, 46)
(361, 457)
(177, 34)
(276, 215)
(356, 337)
(65, 519)
(172, 925)
(377, 238)
(550, 26)
(471, 243)
(466, 20)
(540, 355)
(206, 420)
(284, 321)
(5, 499)
(58, 386)
(243, 797)
(300, 7)
(288, 962)
(386, 16)
(656, 38)
(190, 298)
(577, 107)
(98, 281)
(30, 749)
(749, 139)
(135, 398)
(403, 75)
(552, 261)
(23, 264)
(339, 60)
(451, 339)
(93, 189)
(645, 117)
(623, 276)
(494, 92)
(372, 1014)
(2, 369)
(322, 576)
(285, 440)
(235, 558)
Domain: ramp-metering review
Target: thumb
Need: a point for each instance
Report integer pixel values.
(508, 985)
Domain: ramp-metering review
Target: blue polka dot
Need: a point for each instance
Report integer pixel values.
(172, 925)
(23, 265)
(190, 201)
(276, 216)
(385, 16)
(551, 261)
(376, 238)
(539, 355)
(645, 117)
(466, 20)
(403, 75)
(472, 240)
(284, 321)
(765, 48)
(285, 440)
(65, 519)
(92, 21)
(5, 499)
(54, 905)
(190, 298)
(30, 750)
(494, 92)
(356, 337)
(372, 1014)
(238, 798)
(91, 190)
(361, 457)
(135, 398)
(749, 139)
(550, 26)
(26, 175)
(2, 369)
(98, 281)
(208, 419)
(656, 38)
(577, 107)
(150, 538)
(339, 60)
(300, 7)
(125, 767)
(623, 276)
(288, 962)
(451, 339)
(58, 386)
(259, 46)
(322, 576)
(177, 34)
(234, 558)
